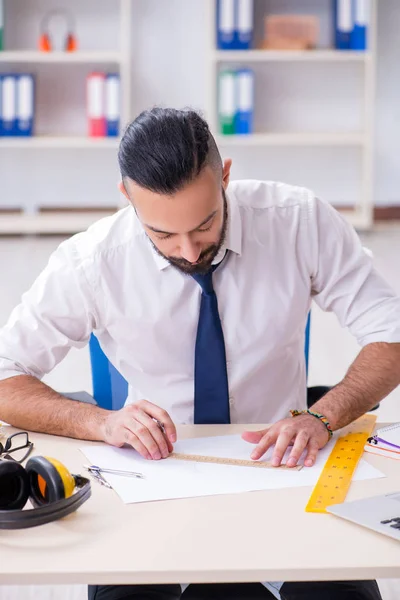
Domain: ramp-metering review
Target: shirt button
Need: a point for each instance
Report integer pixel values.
(231, 400)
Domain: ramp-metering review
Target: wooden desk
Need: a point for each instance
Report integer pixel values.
(258, 536)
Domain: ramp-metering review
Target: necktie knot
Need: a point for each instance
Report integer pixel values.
(205, 281)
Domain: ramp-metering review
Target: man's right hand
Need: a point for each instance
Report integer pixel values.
(135, 425)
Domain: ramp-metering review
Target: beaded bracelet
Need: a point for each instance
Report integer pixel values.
(325, 421)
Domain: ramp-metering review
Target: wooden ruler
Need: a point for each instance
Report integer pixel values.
(236, 462)
(335, 479)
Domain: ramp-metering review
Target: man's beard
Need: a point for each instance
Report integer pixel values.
(207, 256)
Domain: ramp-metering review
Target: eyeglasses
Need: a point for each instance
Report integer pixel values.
(17, 444)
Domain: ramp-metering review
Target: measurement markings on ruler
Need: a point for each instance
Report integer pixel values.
(236, 462)
(337, 473)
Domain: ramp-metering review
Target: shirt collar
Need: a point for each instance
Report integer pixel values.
(233, 240)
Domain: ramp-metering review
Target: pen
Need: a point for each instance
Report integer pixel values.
(161, 426)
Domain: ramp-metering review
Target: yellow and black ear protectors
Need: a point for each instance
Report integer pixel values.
(45, 44)
(49, 486)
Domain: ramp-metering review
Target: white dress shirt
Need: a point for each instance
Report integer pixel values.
(286, 247)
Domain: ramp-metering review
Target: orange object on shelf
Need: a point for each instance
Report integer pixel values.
(45, 42)
(290, 32)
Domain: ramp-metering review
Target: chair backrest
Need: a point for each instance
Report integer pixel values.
(110, 389)
(307, 341)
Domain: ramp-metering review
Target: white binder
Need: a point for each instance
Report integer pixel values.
(25, 105)
(244, 24)
(9, 104)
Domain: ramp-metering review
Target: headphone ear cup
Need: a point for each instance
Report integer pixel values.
(14, 485)
(70, 44)
(44, 43)
(49, 480)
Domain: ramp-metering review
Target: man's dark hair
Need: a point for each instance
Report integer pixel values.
(164, 149)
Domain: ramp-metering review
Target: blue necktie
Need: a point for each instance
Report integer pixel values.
(211, 392)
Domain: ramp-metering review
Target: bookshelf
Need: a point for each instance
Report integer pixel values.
(49, 222)
(36, 57)
(250, 56)
(50, 141)
(293, 139)
(361, 213)
(32, 219)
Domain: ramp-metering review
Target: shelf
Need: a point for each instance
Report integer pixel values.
(56, 222)
(33, 56)
(59, 142)
(289, 55)
(361, 220)
(292, 139)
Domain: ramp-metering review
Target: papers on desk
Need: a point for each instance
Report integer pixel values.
(170, 478)
(385, 442)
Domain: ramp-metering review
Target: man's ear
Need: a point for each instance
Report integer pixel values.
(226, 172)
(122, 189)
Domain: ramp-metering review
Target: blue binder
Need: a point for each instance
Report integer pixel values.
(226, 24)
(112, 104)
(1, 112)
(25, 110)
(244, 24)
(361, 22)
(244, 101)
(343, 11)
(9, 104)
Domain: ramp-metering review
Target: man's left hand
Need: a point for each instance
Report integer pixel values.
(304, 432)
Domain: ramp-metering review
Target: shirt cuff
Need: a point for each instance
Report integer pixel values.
(7, 371)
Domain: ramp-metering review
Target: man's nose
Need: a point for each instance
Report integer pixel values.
(189, 250)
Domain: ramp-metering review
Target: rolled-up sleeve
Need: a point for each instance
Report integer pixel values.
(345, 281)
(53, 316)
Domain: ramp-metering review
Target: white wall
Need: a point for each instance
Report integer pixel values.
(170, 69)
(388, 104)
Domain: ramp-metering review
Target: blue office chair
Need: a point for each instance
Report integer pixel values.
(110, 388)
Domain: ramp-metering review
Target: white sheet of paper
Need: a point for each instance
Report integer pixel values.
(171, 478)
